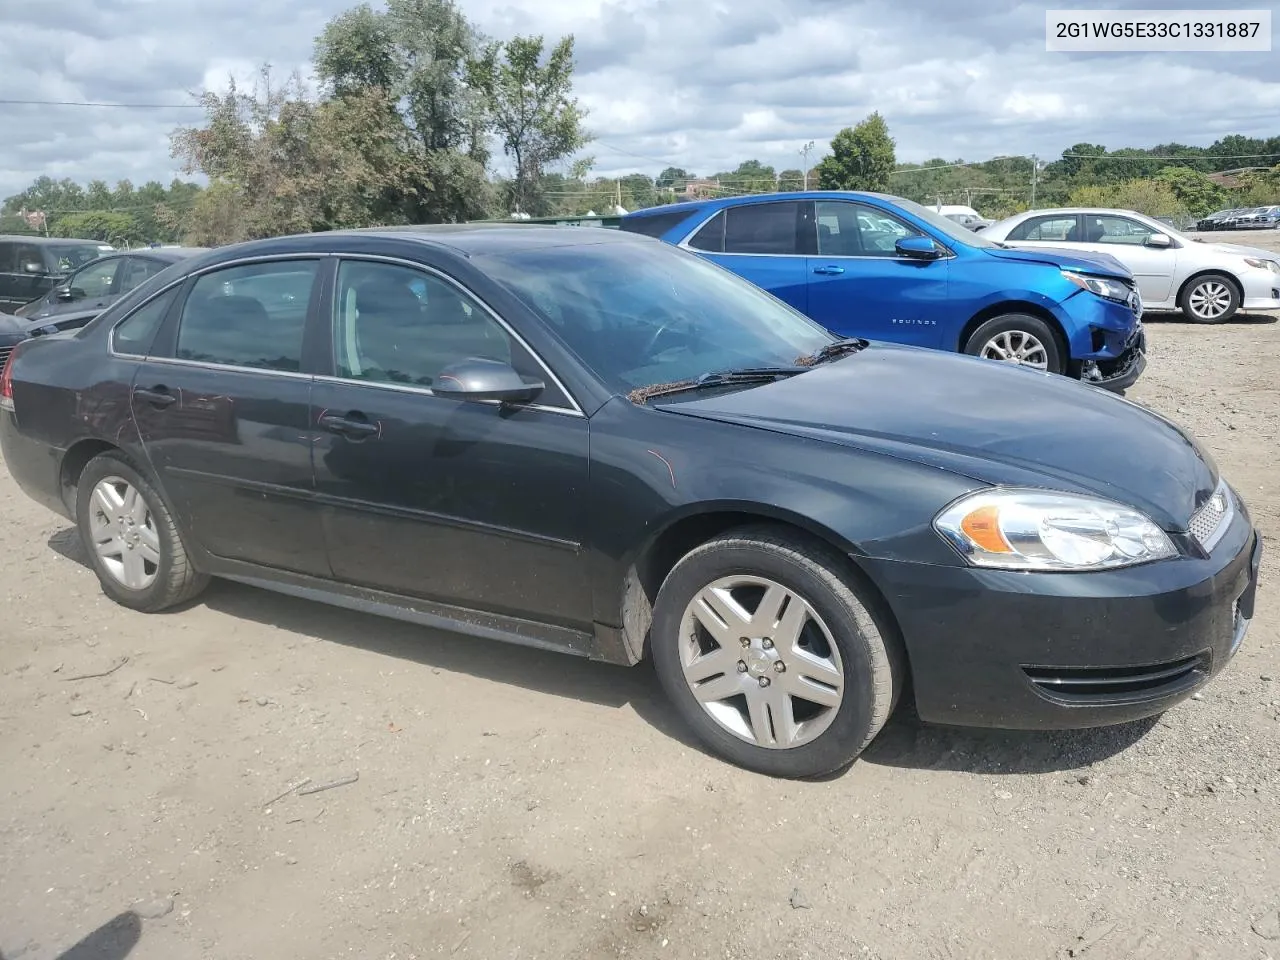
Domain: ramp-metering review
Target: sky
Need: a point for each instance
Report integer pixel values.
(699, 85)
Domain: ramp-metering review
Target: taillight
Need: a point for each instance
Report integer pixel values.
(6, 378)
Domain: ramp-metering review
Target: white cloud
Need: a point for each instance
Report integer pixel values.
(698, 85)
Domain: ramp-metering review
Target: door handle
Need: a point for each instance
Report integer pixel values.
(830, 270)
(353, 426)
(156, 396)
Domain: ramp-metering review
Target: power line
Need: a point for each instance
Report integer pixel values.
(95, 103)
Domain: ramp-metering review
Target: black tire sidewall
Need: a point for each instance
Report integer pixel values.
(1211, 278)
(117, 465)
(1040, 329)
(851, 729)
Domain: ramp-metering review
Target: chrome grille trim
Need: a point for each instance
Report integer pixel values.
(1211, 521)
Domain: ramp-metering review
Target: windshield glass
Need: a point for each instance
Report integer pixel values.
(938, 222)
(72, 256)
(642, 313)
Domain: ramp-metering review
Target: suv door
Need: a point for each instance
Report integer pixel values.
(92, 287)
(762, 242)
(859, 285)
(1126, 240)
(473, 505)
(222, 406)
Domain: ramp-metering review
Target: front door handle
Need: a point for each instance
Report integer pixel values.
(157, 396)
(353, 426)
(830, 270)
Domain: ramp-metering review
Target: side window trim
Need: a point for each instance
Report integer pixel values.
(328, 317)
(164, 346)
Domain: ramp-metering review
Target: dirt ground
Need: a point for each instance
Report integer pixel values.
(516, 804)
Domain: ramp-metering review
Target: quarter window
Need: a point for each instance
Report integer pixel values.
(394, 324)
(248, 316)
(763, 228)
(134, 334)
(1063, 229)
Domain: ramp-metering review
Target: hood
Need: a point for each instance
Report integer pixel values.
(992, 422)
(1236, 249)
(9, 325)
(1103, 264)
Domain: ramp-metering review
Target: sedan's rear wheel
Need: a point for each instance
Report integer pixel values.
(1212, 298)
(132, 541)
(1017, 338)
(768, 648)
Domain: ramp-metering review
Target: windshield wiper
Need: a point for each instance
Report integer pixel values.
(715, 379)
(841, 348)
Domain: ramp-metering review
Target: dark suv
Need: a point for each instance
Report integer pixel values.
(32, 266)
(101, 281)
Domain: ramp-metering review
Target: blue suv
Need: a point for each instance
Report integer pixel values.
(885, 268)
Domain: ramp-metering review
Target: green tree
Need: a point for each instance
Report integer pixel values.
(1195, 191)
(531, 108)
(673, 177)
(1152, 197)
(791, 180)
(111, 227)
(862, 157)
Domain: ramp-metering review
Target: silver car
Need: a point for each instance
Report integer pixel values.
(1207, 281)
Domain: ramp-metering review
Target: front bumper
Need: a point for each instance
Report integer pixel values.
(1122, 372)
(1261, 289)
(1062, 651)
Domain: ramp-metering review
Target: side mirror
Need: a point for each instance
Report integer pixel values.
(918, 248)
(32, 267)
(1159, 240)
(64, 294)
(479, 379)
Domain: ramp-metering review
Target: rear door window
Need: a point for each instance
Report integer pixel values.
(1060, 228)
(763, 228)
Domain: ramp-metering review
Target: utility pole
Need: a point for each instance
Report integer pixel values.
(804, 153)
(1035, 170)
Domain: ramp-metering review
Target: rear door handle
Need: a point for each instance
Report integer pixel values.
(830, 270)
(353, 425)
(156, 396)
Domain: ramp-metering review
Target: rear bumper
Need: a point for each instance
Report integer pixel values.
(35, 467)
(1061, 651)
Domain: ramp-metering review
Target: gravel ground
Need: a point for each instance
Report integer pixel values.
(515, 804)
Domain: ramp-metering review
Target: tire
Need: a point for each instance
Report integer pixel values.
(843, 641)
(1012, 331)
(1213, 288)
(146, 537)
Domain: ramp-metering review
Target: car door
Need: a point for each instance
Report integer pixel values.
(860, 286)
(469, 504)
(92, 287)
(222, 406)
(762, 242)
(1127, 239)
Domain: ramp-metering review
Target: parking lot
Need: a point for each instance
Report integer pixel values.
(501, 802)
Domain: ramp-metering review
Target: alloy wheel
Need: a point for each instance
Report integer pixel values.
(1016, 346)
(760, 662)
(1209, 300)
(124, 534)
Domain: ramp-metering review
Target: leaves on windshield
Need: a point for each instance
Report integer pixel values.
(641, 394)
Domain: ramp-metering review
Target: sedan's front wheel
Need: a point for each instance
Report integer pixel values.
(1212, 298)
(769, 649)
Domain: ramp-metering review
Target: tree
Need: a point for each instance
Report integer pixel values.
(1194, 190)
(1152, 197)
(530, 108)
(673, 177)
(791, 180)
(103, 225)
(862, 158)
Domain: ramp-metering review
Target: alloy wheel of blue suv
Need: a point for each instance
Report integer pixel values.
(885, 268)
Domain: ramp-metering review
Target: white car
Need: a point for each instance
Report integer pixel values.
(1207, 281)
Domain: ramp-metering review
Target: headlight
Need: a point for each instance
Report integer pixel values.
(1025, 529)
(1102, 286)
(1261, 264)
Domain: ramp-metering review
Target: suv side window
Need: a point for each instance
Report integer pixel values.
(251, 315)
(847, 229)
(763, 228)
(30, 253)
(134, 334)
(1047, 228)
(8, 257)
(398, 325)
(711, 237)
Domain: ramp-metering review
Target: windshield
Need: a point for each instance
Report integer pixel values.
(72, 256)
(643, 313)
(937, 221)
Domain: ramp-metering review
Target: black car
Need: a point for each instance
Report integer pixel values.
(592, 442)
(32, 266)
(98, 283)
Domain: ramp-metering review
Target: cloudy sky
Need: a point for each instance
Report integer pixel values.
(700, 85)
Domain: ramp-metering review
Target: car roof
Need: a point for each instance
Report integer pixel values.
(719, 203)
(172, 254)
(50, 241)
